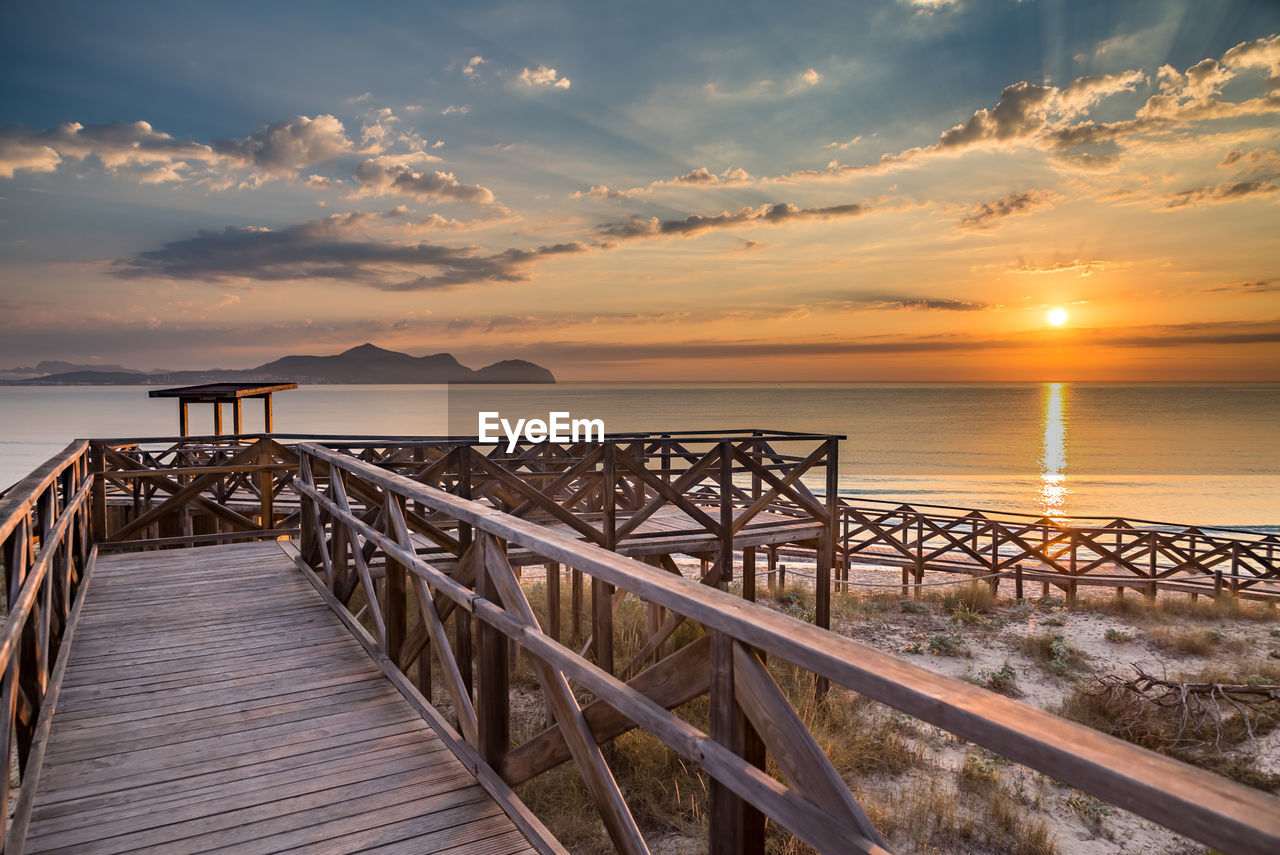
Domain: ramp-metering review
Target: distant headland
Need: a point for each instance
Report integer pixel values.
(359, 365)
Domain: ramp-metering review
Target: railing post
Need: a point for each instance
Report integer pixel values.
(461, 618)
(310, 545)
(826, 553)
(725, 535)
(395, 615)
(492, 689)
(734, 827)
(98, 511)
(266, 479)
(602, 591)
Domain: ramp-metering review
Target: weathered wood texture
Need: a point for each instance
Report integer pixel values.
(751, 718)
(212, 701)
(45, 549)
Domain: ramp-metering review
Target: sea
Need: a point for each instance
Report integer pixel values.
(1193, 454)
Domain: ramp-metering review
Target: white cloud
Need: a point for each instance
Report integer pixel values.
(283, 147)
(700, 177)
(844, 146)
(811, 77)
(116, 145)
(389, 176)
(543, 76)
(455, 110)
(472, 64)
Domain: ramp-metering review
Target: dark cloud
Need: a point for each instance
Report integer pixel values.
(894, 303)
(987, 215)
(1262, 286)
(1219, 193)
(780, 212)
(333, 248)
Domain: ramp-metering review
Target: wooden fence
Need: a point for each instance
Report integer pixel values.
(1117, 553)
(354, 513)
(46, 549)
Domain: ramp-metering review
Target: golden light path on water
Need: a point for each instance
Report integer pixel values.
(1053, 454)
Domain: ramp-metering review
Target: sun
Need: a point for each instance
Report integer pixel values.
(1057, 317)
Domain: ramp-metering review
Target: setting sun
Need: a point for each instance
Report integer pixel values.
(1057, 317)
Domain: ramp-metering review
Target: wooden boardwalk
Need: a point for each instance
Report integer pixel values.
(212, 702)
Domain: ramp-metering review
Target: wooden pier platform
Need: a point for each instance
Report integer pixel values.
(212, 702)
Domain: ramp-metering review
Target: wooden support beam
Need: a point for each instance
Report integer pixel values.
(237, 417)
(676, 680)
(553, 600)
(493, 694)
(735, 827)
(268, 419)
(217, 419)
(575, 603)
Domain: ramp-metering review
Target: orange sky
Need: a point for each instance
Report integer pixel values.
(901, 196)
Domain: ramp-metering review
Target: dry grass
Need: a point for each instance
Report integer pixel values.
(873, 748)
(1052, 653)
(1167, 605)
(972, 597)
(1193, 641)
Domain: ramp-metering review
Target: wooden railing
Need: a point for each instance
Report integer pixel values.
(46, 549)
(1118, 553)
(354, 514)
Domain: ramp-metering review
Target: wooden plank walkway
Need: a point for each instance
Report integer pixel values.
(212, 702)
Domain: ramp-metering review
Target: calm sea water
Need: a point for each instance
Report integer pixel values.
(1195, 453)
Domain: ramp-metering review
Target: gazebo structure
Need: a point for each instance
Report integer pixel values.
(219, 394)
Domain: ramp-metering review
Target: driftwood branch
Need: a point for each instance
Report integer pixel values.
(1200, 708)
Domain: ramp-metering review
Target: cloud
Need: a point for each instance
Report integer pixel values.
(931, 6)
(453, 109)
(1261, 53)
(383, 176)
(279, 149)
(1230, 191)
(1123, 44)
(810, 78)
(1255, 161)
(843, 146)
(543, 77)
(700, 177)
(335, 248)
(1261, 286)
(898, 302)
(988, 214)
(115, 145)
(283, 147)
(472, 64)
(774, 214)
(1155, 336)
(1081, 267)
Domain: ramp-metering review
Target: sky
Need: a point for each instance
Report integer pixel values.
(889, 190)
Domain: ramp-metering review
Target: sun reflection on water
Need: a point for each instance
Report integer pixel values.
(1053, 454)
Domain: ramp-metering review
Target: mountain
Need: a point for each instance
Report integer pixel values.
(513, 371)
(52, 366)
(367, 363)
